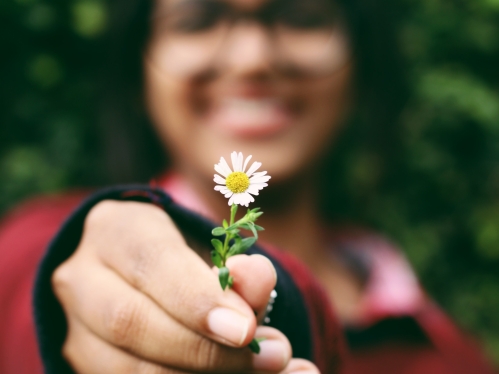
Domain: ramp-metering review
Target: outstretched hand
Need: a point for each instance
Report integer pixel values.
(138, 299)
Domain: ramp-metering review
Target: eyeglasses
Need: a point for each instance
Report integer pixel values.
(304, 36)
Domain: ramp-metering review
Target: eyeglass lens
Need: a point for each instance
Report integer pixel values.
(306, 34)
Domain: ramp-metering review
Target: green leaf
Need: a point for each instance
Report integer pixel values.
(241, 246)
(246, 243)
(218, 231)
(252, 227)
(253, 230)
(225, 224)
(223, 277)
(253, 215)
(255, 345)
(217, 244)
(231, 282)
(234, 247)
(246, 226)
(256, 215)
(216, 259)
(233, 232)
(233, 211)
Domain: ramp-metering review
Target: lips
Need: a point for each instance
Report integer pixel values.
(250, 117)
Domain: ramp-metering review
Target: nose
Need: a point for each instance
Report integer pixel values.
(247, 50)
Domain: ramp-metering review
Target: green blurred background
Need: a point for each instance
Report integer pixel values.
(443, 208)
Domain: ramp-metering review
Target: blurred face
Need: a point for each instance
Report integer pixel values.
(267, 78)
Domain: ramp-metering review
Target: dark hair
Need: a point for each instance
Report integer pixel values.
(374, 131)
(133, 152)
(131, 149)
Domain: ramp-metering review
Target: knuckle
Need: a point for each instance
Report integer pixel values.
(72, 355)
(70, 350)
(101, 212)
(67, 352)
(61, 279)
(206, 355)
(125, 324)
(143, 263)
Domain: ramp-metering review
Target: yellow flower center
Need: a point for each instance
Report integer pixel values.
(237, 182)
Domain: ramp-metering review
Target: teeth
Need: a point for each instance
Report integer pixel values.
(250, 105)
(250, 114)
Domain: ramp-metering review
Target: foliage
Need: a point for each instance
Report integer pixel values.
(452, 159)
(439, 199)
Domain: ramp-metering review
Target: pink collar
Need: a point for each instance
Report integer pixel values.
(182, 193)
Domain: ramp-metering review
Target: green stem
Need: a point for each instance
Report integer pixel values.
(226, 248)
(233, 211)
(254, 345)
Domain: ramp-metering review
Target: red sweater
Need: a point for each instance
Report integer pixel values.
(24, 236)
(26, 232)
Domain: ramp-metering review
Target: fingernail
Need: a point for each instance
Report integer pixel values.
(273, 356)
(229, 325)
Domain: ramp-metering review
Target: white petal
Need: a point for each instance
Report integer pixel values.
(253, 190)
(229, 194)
(219, 188)
(243, 200)
(240, 198)
(259, 174)
(254, 167)
(249, 198)
(240, 159)
(225, 165)
(233, 157)
(224, 190)
(218, 179)
(246, 162)
(231, 200)
(235, 198)
(221, 170)
(259, 179)
(260, 186)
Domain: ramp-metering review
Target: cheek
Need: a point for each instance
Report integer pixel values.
(174, 106)
(330, 101)
(170, 109)
(325, 107)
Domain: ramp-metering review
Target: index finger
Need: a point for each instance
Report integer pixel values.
(149, 252)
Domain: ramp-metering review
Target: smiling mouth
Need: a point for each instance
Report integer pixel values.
(251, 117)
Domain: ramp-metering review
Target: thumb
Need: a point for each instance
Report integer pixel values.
(254, 279)
(300, 366)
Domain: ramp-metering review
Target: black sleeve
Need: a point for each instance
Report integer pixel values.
(288, 315)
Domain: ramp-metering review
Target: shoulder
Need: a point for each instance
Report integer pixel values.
(26, 230)
(391, 287)
(42, 206)
(397, 311)
(25, 233)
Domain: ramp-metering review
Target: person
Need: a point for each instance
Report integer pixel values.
(275, 79)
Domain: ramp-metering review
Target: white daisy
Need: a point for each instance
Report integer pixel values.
(237, 184)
